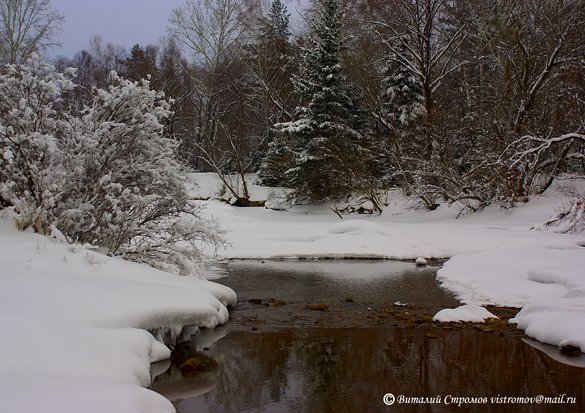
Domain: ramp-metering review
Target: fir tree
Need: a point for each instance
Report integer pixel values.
(403, 94)
(325, 145)
(275, 26)
(402, 110)
(141, 64)
(272, 63)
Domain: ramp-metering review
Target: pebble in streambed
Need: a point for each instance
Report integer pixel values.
(273, 314)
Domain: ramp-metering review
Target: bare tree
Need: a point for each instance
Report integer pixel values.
(106, 58)
(214, 31)
(531, 92)
(500, 77)
(27, 27)
(413, 32)
(209, 29)
(93, 69)
(424, 48)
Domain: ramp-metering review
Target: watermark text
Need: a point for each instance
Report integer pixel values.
(389, 399)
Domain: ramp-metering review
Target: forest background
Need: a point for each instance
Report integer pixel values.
(472, 103)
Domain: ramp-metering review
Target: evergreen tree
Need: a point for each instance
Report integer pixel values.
(141, 64)
(275, 163)
(275, 26)
(402, 110)
(272, 63)
(402, 94)
(326, 146)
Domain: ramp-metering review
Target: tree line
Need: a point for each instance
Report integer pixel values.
(469, 102)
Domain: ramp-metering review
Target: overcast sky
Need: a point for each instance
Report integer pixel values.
(121, 22)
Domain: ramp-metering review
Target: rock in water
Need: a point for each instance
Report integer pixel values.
(420, 261)
(191, 366)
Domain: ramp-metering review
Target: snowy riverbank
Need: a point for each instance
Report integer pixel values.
(495, 256)
(73, 322)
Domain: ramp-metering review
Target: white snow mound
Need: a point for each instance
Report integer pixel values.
(74, 324)
(465, 313)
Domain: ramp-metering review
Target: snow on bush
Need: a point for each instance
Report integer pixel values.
(31, 173)
(105, 175)
(570, 217)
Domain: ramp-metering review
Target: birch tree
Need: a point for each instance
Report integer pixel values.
(27, 27)
(213, 32)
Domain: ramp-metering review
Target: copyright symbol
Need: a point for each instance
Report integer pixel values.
(389, 399)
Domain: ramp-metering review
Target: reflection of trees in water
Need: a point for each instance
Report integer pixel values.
(254, 372)
(350, 370)
(375, 281)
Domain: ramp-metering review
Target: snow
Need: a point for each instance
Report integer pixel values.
(303, 231)
(495, 256)
(420, 261)
(74, 325)
(514, 277)
(78, 327)
(469, 312)
(208, 185)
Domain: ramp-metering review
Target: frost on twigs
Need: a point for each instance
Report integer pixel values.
(279, 199)
(174, 246)
(31, 173)
(570, 217)
(104, 175)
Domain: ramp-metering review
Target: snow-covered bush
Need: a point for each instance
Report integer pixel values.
(105, 175)
(31, 171)
(570, 217)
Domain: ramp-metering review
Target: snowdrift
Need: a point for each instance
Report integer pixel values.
(74, 326)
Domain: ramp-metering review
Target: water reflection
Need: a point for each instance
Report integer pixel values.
(175, 384)
(553, 352)
(374, 281)
(349, 370)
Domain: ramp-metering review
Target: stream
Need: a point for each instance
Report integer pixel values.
(373, 336)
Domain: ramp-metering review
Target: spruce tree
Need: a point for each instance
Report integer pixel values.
(275, 26)
(324, 142)
(272, 64)
(403, 113)
(141, 64)
(402, 94)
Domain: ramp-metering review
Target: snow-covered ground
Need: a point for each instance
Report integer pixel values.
(495, 256)
(73, 324)
(74, 321)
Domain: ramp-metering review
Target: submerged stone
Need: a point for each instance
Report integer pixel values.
(191, 366)
(571, 351)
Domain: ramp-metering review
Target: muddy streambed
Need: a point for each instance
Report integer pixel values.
(314, 336)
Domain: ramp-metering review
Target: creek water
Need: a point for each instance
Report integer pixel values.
(371, 281)
(282, 369)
